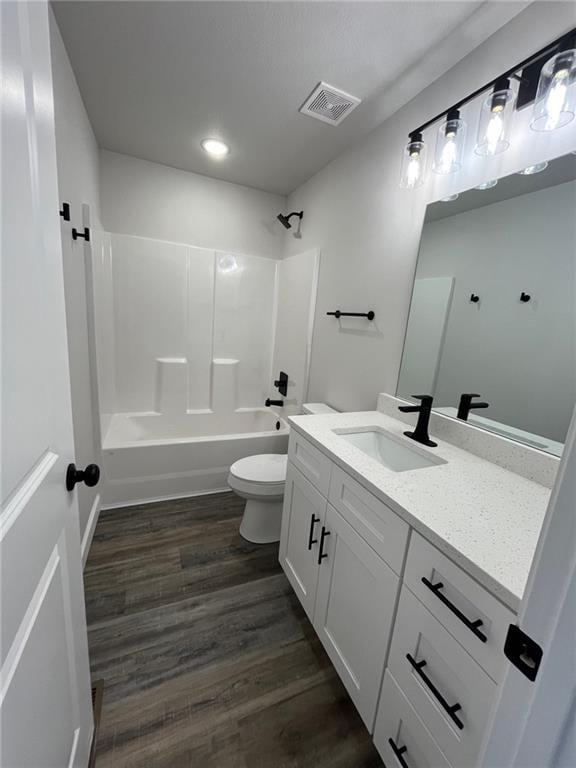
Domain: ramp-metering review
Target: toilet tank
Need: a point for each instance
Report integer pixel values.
(317, 408)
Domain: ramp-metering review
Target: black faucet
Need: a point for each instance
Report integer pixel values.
(269, 402)
(423, 410)
(466, 405)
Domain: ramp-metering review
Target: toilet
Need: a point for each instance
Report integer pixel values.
(260, 480)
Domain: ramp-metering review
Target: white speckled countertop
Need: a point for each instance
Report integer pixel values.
(484, 517)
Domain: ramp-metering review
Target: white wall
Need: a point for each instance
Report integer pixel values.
(152, 200)
(520, 357)
(368, 229)
(78, 184)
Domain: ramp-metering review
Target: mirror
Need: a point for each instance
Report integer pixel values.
(493, 307)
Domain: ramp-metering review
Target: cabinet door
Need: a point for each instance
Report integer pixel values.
(302, 518)
(355, 605)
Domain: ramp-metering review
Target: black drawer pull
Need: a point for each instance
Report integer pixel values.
(472, 625)
(321, 553)
(450, 709)
(398, 752)
(311, 539)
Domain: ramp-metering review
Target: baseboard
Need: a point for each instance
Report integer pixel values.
(171, 497)
(90, 528)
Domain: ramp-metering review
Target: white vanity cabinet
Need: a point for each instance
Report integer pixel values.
(415, 639)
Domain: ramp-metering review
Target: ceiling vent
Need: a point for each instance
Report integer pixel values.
(329, 104)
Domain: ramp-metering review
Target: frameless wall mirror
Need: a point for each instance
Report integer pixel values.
(493, 309)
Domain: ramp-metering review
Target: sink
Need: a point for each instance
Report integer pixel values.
(389, 450)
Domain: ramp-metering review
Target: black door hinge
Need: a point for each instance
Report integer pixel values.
(523, 652)
(84, 236)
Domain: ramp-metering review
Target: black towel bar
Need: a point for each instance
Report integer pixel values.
(370, 315)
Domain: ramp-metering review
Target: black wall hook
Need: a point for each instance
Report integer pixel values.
(65, 212)
(525, 297)
(474, 298)
(84, 235)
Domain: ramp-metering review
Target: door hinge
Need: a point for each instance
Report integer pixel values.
(522, 651)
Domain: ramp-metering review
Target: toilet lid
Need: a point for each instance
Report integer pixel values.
(265, 468)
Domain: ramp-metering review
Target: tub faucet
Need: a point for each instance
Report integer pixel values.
(269, 402)
(420, 434)
(466, 405)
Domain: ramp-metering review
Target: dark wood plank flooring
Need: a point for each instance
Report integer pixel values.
(208, 658)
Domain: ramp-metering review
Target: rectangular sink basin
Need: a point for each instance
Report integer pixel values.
(389, 450)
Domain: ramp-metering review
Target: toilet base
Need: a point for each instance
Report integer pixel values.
(262, 521)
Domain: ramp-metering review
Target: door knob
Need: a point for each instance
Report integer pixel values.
(88, 476)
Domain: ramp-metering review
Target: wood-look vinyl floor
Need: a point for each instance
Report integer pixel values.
(207, 657)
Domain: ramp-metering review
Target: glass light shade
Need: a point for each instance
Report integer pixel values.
(532, 169)
(495, 121)
(450, 146)
(413, 165)
(555, 103)
(487, 184)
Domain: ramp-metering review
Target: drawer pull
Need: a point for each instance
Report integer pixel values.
(472, 625)
(311, 539)
(321, 553)
(398, 752)
(450, 709)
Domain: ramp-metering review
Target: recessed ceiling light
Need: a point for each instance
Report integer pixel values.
(215, 147)
(532, 169)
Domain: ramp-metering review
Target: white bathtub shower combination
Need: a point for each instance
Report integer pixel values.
(185, 340)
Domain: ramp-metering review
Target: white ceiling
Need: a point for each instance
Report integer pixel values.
(157, 77)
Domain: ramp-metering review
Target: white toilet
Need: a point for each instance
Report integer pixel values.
(260, 480)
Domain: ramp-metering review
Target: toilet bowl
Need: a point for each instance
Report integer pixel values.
(260, 480)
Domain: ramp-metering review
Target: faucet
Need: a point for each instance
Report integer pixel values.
(466, 405)
(423, 410)
(269, 402)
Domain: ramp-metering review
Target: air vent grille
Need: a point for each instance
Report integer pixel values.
(329, 104)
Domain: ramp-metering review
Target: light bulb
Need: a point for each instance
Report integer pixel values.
(413, 162)
(448, 156)
(414, 171)
(495, 121)
(450, 144)
(494, 132)
(556, 99)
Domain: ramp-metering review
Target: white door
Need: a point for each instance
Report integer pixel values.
(534, 722)
(355, 605)
(45, 700)
(302, 519)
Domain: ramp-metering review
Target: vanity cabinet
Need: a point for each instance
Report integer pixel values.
(347, 590)
(415, 639)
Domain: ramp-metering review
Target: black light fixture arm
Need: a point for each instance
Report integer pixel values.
(544, 53)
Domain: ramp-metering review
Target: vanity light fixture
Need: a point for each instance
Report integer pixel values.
(450, 144)
(530, 170)
(215, 148)
(487, 184)
(546, 80)
(413, 162)
(495, 120)
(555, 102)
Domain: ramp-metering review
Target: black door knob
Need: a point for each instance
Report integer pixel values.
(88, 476)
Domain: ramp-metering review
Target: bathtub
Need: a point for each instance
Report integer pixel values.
(154, 456)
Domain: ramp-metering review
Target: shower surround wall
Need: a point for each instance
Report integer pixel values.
(192, 328)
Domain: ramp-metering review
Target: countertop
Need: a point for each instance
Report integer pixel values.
(484, 517)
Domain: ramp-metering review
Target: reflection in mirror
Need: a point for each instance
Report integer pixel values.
(493, 309)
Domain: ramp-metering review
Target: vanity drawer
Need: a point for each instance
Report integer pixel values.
(458, 602)
(451, 694)
(386, 533)
(313, 464)
(400, 737)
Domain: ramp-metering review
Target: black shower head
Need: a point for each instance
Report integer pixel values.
(285, 220)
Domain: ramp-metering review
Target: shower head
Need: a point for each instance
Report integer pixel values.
(285, 220)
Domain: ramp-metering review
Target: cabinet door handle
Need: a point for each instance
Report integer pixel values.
(450, 709)
(311, 539)
(398, 752)
(473, 626)
(321, 553)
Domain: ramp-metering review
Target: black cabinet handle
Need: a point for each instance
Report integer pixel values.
(472, 625)
(450, 709)
(398, 752)
(321, 553)
(312, 540)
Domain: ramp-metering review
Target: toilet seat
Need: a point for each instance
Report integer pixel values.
(265, 469)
